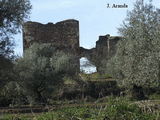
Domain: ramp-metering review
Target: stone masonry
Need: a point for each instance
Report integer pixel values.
(65, 36)
(105, 49)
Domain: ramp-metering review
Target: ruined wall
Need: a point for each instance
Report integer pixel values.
(64, 35)
(104, 50)
(106, 46)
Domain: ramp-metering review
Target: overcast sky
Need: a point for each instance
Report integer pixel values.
(94, 17)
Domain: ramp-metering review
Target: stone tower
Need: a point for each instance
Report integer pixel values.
(64, 34)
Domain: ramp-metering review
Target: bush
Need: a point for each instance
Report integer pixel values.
(98, 89)
(12, 94)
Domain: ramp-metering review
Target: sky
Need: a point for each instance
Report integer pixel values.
(86, 66)
(94, 17)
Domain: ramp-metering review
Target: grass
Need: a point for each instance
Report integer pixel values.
(95, 77)
(115, 109)
(154, 96)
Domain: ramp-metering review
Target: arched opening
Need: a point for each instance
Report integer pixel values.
(86, 66)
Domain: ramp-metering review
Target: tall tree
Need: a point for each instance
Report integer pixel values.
(137, 60)
(12, 15)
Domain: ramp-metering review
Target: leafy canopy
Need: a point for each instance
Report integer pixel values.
(137, 60)
(42, 68)
(12, 15)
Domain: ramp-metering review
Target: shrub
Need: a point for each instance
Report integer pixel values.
(12, 94)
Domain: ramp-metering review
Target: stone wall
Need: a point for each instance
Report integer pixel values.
(106, 46)
(64, 35)
(104, 50)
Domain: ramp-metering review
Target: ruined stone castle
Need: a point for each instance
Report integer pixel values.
(65, 36)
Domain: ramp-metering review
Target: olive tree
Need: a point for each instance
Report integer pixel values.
(12, 15)
(137, 60)
(41, 69)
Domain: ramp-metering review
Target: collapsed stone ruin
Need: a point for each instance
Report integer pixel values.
(65, 36)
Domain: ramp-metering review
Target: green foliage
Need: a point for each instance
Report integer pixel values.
(12, 94)
(137, 60)
(42, 68)
(95, 76)
(64, 63)
(15, 117)
(6, 74)
(69, 80)
(115, 109)
(12, 15)
(155, 96)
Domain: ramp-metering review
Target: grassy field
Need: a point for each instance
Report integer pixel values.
(109, 108)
